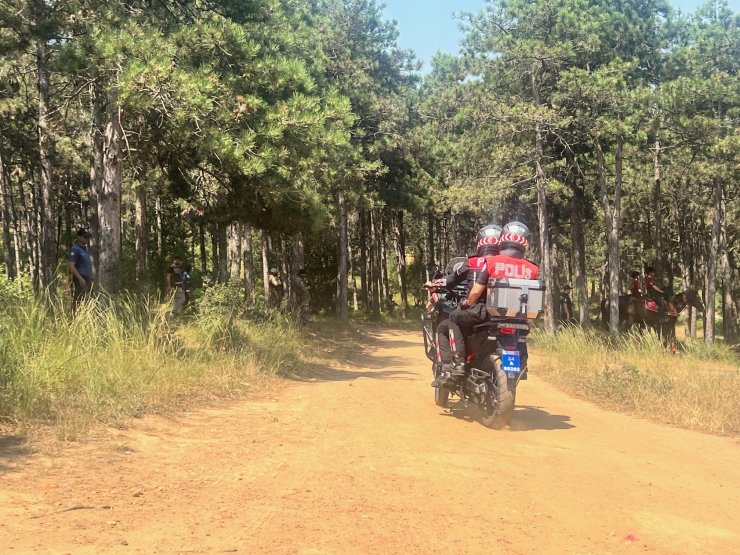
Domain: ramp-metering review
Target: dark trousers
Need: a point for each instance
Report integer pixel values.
(460, 324)
(80, 292)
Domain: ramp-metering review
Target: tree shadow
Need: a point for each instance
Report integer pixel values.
(321, 373)
(12, 447)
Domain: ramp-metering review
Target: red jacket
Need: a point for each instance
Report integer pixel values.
(502, 266)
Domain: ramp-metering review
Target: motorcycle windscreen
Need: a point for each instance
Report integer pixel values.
(511, 362)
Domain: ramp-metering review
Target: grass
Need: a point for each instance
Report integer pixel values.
(121, 358)
(699, 388)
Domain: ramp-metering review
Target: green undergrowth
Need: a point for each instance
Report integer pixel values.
(698, 388)
(124, 357)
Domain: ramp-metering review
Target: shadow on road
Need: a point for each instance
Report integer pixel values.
(11, 448)
(525, 418)
(355, 347)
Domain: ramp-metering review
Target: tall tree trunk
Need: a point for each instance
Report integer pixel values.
(612, 215)
(109, 201)
(266, 266)
(383, 243)
(658, 213)
(543, 219)
(729, 305)
(353, 277)
(48, 259)
(363, 259)
(235, 251)
(27, 221)
(578, 249)
(248, 264)
(202, 247)
(5, 214)
(375, 265)
(430, 243)
(97, 132)
(213, 231)
(400, 244)
(223, 254)
(341, 309)
(285, 270)
(142, 237)
(714, 250)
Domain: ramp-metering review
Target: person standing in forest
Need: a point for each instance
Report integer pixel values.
(566, 305)
(276, 289)
(303, 296)
(175, 285)
(80, 268)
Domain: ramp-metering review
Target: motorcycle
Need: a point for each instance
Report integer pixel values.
(497, 349)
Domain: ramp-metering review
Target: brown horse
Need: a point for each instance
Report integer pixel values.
(632, 312)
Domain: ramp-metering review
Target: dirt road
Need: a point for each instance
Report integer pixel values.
(358, 459)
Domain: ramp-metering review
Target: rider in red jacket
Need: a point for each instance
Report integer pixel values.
(450, 337)
(510, 263)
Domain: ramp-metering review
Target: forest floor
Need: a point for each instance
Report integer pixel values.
(354, 457)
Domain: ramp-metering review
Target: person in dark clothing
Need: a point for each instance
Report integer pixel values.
(276, 288)
(175, 285)
(451, 332)
(566, 305)
(80, 268)
(303, 296)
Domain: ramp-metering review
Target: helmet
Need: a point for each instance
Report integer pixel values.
(487, 239)
(515, 235)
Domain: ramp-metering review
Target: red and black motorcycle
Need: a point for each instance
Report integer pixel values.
(497, 349)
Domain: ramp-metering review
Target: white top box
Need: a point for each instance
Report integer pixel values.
(515, 298)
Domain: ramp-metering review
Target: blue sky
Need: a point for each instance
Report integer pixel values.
(428, 25)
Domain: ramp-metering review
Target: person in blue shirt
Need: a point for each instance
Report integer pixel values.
(80, 268)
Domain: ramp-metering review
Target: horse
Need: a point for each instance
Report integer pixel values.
(632, 311)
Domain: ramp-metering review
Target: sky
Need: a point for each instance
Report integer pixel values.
(427, 26)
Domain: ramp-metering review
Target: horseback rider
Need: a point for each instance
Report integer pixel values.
(652, 291)
(635, 289)
(450, 332)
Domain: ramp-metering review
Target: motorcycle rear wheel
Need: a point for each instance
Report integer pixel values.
(499, 404)
(441, 394)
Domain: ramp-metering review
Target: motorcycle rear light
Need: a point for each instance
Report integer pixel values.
(507, 331)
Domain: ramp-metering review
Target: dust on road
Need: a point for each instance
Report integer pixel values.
(358, 459)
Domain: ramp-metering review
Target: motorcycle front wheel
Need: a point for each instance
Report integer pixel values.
(498, 405)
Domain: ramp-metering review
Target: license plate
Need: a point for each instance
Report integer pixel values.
(510, 362)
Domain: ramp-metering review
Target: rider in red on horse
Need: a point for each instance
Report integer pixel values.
(635, 289)
(654, 292)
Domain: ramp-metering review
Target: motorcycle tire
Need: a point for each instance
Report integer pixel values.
(441, 394)
(499, 404)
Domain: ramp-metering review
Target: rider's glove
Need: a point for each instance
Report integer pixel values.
(465, 304)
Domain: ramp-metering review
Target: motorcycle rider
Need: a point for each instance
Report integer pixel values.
(509, 263)
(450, 338)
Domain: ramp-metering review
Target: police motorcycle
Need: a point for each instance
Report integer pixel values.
(497, 349)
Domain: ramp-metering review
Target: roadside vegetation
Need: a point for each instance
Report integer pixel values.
(697, 389)
(125, 356)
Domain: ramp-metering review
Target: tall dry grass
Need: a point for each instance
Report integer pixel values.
(699, 388)
(122, 357)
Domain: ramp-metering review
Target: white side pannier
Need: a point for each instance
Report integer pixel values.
(508, 297)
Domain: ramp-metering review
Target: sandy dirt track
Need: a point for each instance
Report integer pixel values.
(358, 459)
